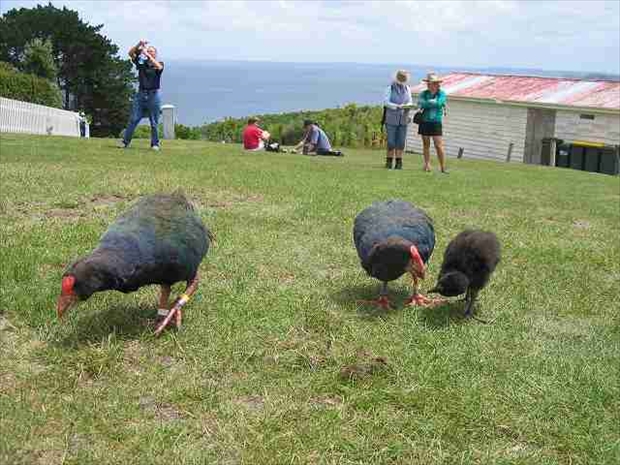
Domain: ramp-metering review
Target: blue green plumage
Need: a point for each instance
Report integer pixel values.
(159, 240)
(383, 234)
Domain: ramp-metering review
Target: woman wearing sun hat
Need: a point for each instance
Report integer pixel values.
(432, 102)
(397, 103)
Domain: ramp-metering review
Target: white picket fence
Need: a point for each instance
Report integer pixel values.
(30, 118)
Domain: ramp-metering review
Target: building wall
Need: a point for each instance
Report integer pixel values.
(540, 125)
(484, 130)
(30, 118)
(604, 128)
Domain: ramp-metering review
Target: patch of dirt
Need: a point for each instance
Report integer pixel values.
(567, 328)
(581, 224)
(163, 411)
(227, 201)
(65, 213)
(8, 383)
(286, 278)
(316, 361)
(77, 442)
(209, 425)
(326, 401)
(49, 457)
(167, 412)
(252, 403)
(519, 450)
(365, 366)
(85, 380)
(167, 361)
(132, 359)
(105, 200)
(300, 349)
(5, 324)
(507, 431)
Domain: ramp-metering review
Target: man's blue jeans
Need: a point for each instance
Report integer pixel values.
(146, 103)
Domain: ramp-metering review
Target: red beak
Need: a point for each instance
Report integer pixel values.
(416, 258)
(65, 302)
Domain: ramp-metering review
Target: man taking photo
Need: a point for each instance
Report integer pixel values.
(146, 102)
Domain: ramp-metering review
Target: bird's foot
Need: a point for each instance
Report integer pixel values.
(175, 313)
(382, 302)
(420, 300)
(178, 317)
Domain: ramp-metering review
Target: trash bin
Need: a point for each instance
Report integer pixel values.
(592, 157)
(609, 161)
(577, 157)
(588, 156)
(562, 156)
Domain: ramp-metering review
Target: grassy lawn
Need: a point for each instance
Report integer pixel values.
(259, 373)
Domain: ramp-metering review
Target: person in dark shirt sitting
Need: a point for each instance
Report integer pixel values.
(315, 141)
(146, 102)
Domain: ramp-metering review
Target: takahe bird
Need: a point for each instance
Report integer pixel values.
(392, 238)
(468, 262)
(159, 240)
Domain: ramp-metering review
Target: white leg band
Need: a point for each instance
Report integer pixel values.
(162, 312)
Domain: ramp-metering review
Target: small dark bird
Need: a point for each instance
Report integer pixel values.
(468, 262)
(392, 238)
(159, 240)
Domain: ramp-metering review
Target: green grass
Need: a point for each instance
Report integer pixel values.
(255, 376)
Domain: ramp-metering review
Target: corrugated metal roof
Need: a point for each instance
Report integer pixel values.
(541, 91)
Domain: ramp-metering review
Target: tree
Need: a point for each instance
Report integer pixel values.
(38, 59)
(90, 74)
(28, 87)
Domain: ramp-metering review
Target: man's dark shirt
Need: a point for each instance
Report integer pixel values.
(148, 75)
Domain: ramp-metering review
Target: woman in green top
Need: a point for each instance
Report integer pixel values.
(432, 102)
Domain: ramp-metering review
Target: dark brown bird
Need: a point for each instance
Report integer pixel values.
(393, 238)
(159, 240)
(468, 262)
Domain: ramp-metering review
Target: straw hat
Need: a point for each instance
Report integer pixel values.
(253, 119)
(401, 76)
(432, 78)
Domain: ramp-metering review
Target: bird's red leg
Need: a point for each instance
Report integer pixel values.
(382, 301)
(418, 299)
(164, 296)
(175, 311)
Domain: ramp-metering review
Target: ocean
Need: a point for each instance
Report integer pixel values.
(207, 91)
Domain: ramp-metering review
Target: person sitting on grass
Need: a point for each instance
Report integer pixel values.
(255, 138)
(315, 141)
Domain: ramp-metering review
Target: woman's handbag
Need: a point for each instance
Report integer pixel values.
(417, 117)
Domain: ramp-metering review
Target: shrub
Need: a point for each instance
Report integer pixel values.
(351, 126)
(28, 87)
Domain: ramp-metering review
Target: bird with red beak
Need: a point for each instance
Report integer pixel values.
(392, 238)
(160, 240)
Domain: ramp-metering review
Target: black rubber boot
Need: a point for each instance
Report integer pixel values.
(399, 164)
(388, 162)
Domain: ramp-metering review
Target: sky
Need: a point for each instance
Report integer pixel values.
(552, 35)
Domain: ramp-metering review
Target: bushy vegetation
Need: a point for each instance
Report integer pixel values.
(180, 132)
(28, 87)
(38, 59)
(90, 73)
(351, 126)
